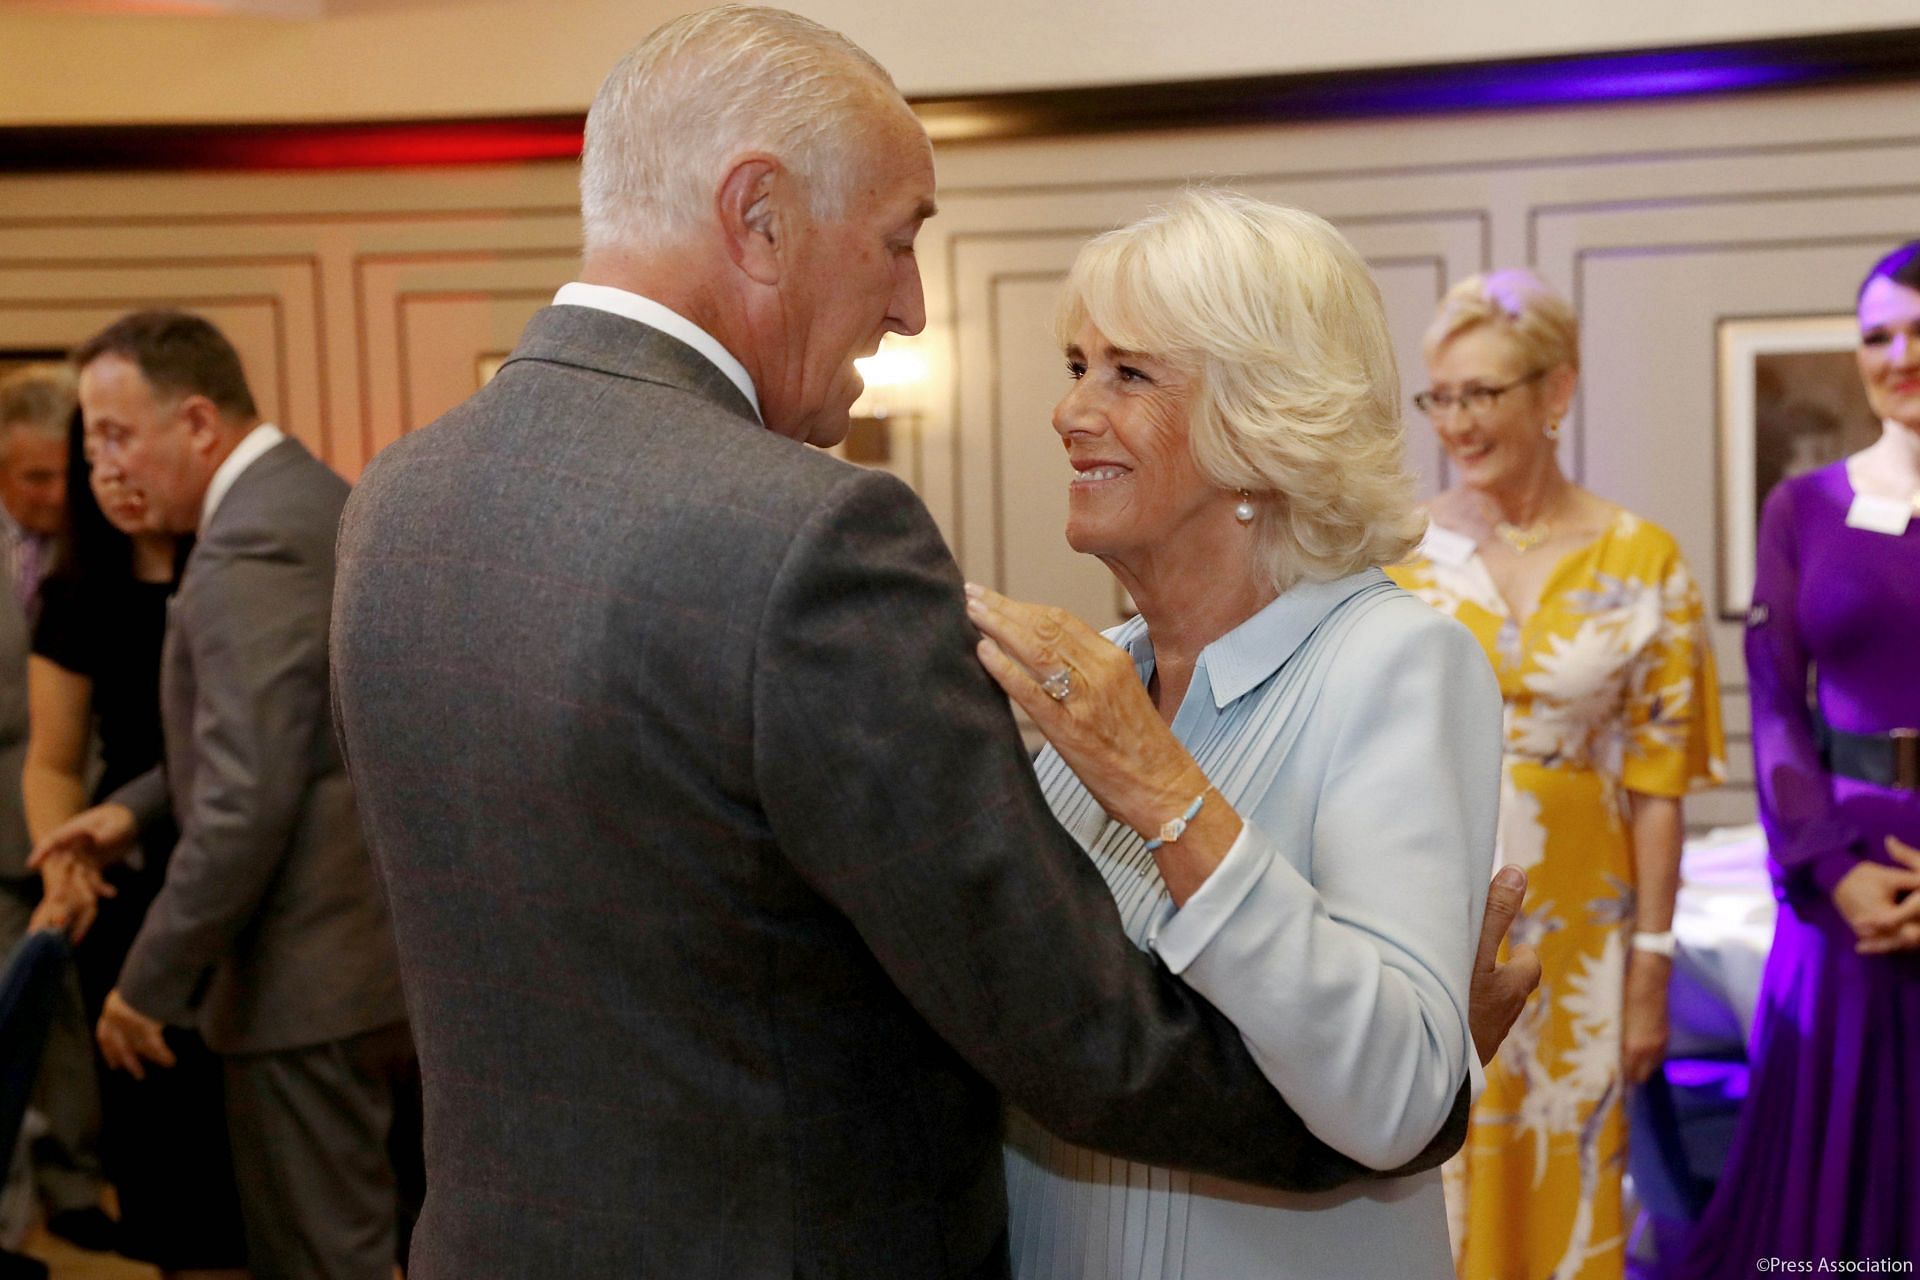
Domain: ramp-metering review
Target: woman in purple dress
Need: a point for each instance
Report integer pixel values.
(1826, 1163)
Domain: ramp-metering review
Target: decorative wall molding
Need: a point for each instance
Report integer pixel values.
(1745, 67)
(362, 301)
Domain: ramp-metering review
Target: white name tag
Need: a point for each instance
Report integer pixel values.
(1444, 546)
(1879, 515)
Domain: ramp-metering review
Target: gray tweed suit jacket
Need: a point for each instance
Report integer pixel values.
(727, 903)
(270, 903)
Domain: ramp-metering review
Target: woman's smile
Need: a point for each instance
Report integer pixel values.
(1094, 475)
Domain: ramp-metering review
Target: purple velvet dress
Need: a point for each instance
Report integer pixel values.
(1826, 1162)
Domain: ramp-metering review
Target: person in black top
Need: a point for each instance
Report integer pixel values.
(95, 670)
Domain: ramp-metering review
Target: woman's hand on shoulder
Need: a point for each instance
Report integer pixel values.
(1098, 715)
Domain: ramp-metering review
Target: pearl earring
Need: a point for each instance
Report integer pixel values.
(1552, 430)
(1244, 511)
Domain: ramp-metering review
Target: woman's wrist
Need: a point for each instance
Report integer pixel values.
(1185, 863)
(1154, 804)
(1648, 942)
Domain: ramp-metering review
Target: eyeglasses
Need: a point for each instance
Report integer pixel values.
(1475, 400)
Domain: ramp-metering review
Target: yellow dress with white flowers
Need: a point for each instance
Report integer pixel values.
(1610, 687)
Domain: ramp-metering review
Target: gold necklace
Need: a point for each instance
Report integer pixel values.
(1523, 538)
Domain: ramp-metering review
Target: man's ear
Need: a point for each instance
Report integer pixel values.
(750, 207)
(203, 424)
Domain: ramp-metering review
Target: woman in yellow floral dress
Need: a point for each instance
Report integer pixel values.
(1595, 630)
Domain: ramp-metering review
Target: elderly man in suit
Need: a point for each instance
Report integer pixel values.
(270, 930)
(36, 412)
(727, 905)
(36, 407)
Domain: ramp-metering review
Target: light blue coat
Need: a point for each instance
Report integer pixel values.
(1357, 733)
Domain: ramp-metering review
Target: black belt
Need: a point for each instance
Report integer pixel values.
(1884, 759)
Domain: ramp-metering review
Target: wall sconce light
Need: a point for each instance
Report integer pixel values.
(868, 441)
(894, 376)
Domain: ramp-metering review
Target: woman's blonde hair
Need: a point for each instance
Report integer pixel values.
(1297, 397)
(1538, 321)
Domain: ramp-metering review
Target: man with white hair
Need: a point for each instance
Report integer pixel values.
(36, 404)
(727, 904)
(36, 413)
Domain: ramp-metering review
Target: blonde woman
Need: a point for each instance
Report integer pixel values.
(1233, 428)
(1596, 633)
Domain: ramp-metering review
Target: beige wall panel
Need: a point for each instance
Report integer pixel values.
(405, 58)
(252, 323)
(328, 256)
(362, 300)
(1006, 379)
(267, 307)
(1030, 473)
(444, 338)
(409, 372)
(1409, 288)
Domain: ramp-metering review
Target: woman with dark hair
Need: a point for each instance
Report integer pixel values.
(96, 670)
(1823, 1163)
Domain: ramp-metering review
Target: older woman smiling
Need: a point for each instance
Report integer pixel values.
(1286, 767)
(1596, 633)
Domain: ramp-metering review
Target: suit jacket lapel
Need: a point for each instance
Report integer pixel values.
(178, 679)
(585, 338)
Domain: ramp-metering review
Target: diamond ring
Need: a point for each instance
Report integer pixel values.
(1059, 685)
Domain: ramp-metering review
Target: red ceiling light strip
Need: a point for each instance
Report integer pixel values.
(1847, 58)
(84, 148)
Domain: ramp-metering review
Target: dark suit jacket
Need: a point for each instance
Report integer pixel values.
(725, 895)
(15, 646)
(269, 888)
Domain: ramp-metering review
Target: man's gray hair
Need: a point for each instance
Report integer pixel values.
(39, 398)
(705, 88)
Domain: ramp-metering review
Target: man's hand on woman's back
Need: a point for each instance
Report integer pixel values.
(1500, 990)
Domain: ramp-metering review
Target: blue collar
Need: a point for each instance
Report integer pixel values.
(1246, 656)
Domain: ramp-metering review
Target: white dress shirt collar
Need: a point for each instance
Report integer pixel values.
(244, 455)
(604, 297)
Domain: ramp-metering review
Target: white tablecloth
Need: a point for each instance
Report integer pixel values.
(1723, 919)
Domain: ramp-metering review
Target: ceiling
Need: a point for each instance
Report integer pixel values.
(205, 61)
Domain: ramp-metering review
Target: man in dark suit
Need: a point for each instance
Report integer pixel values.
(727, 905)
(270, 931)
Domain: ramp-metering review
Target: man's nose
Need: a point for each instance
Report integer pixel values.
(908, 315)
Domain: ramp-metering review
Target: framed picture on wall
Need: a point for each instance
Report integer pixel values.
(1790, 402)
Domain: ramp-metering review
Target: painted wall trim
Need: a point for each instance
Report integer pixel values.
(1817, 61)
